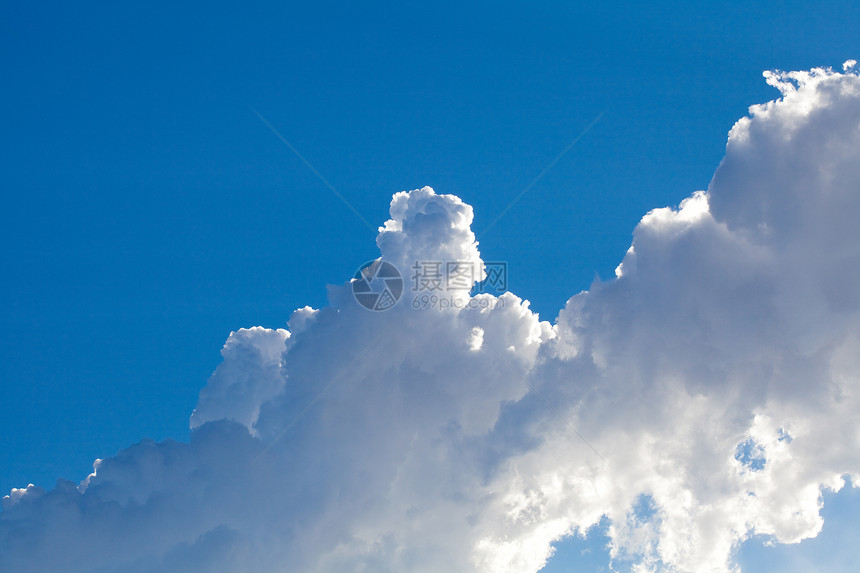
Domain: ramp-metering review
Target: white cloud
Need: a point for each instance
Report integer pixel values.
(249, 376)
(715, 380)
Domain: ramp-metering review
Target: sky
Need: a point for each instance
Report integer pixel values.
(178, 173)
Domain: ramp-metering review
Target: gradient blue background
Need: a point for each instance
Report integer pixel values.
(147, 211)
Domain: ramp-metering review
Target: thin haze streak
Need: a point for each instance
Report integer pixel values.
(542, 173)
(300, 415)
(313, 402)
(311, 167)
(545, 401)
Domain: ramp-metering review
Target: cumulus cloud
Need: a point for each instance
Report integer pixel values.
(249, 376)
(715, 381)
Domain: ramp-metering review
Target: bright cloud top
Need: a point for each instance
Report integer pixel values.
(717, 377)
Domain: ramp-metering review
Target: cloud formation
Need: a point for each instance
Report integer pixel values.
(715, 381)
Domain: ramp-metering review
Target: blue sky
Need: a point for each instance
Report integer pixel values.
(148, 211)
